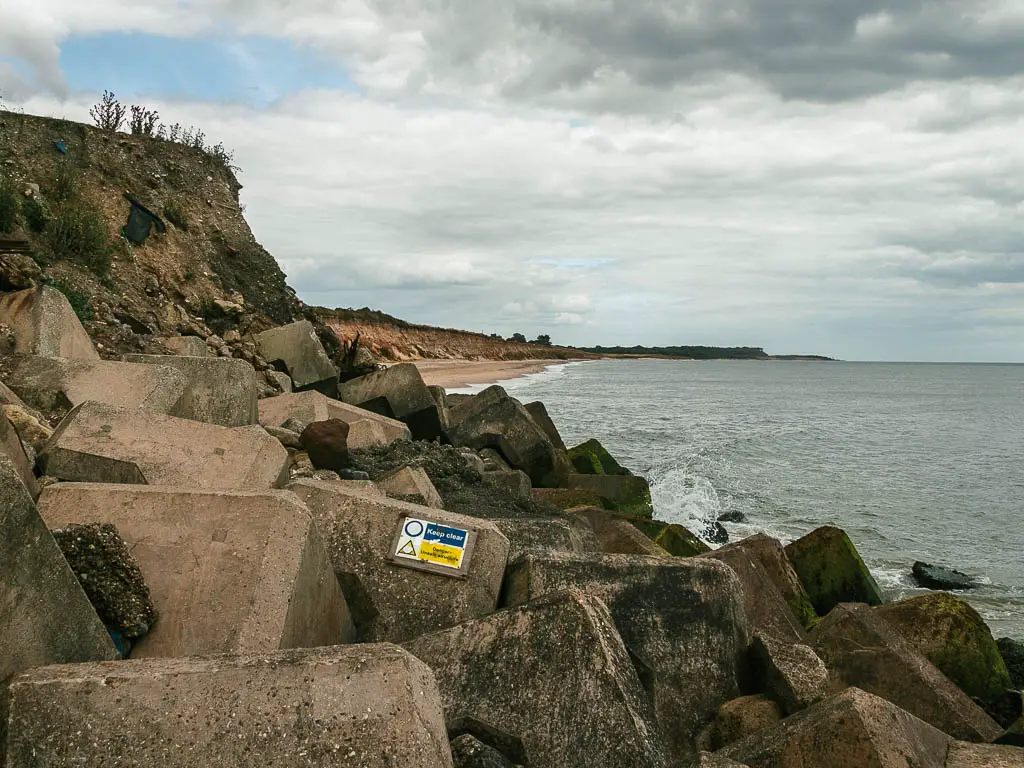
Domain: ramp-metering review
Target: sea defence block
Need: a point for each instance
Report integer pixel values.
(682, 618)
(832, 570)
(398, 392)
(771, 555)
(853, 728)
(56, 384)
(862, 650)
(105, 444)
(369, 705)
(617, 535)
(625, 493)
(218, 390)
(390, 602)
(44, 324)
(227, 572)
(411, 484)
(965, 755)
(310, 406)
(791, 673)
(553, 673)
(539, 413)
(554, 534)
(12, 447)
(188, 346)
(296, 347)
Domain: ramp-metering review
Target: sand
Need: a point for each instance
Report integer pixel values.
(453, 374)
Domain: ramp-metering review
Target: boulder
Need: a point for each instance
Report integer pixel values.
(187, 346)
(772, 556)
(515, 483)
(624, 493)
(470, 752)
(564, 498)
(831, 570)
(552, 534)
(681, 619)
(280, 381)
(44, 324)
(790, 673)
(739, 718)
(228, 572)
(591, 458)
(286, 437)
(326, 442)
(219, 390)
(411, 484)
(104, 444)
(862, 650)
(525, 670)
(539, 413)
(32, 426)
(370, 705)
(492, 419)
(939, 577)
(1012, 652)
(308, 407)
(492, 460)
(55, 384)
(953, 637)
(397, 392)
(852, 729)
(296, 349)
(12, 447)
(965, 755)
(392, 602)
(110, 576)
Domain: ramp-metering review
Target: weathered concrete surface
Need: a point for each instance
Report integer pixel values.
(738, 718)
(592, 458)
(32, 426)
(515, 483)
(470, 752)
(308, 407)
(228, 572)
(45, 324)
(618, 536)
(555, 534)
(555, 673)
(45, 617)
(219, 390)
(188, 346)
(492, 419)
(625, 493)
(411, 484)
(772, 556)
(390, 602)
(965, 755)
(713, 760)
(56, 384)
(106, 444)
(832, 571)
(862, 650)
(564, 498)
(851, 729)
(372, 705)
(682, 618)
(953, 637)
(299, 350)
(791, 673)
(12, 447)
(539, 413)
(397, 392)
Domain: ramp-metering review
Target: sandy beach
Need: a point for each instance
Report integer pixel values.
(453, 374)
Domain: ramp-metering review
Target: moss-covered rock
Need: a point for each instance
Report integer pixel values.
(625, 493)
(672, 537)
(591, 458)
(832, 571)
(569, 498)
(953, 637)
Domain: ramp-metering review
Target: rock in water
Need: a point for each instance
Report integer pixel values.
(940, 577)
(110, 577)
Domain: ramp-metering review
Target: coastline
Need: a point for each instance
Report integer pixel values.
(455, 374)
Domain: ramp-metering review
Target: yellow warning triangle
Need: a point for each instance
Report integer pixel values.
(407, 549)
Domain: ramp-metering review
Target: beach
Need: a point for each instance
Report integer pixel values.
(453, 374)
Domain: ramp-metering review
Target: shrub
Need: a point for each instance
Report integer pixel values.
(8, 204)
(176, 215)
(109, 113)
(79, 301)
(34, 215)
(65, 182)
(77, 232)
(143, 121)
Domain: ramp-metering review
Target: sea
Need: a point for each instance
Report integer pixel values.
(915, 461)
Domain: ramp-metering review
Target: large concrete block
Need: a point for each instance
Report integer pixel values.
(832, 570)
(219, 390)
(625, 493)
(554, 673)
(189, 346)
(373, 706)
(105, 444)
(539, 413)
(553, 534)
(965, 755)
(12, 447)
(790, 673)
(772, 556)
(297, 348)
(411, 484)
(227, 572)
(391, 602)
(308, 407)
(851, 729)
(681, 618)
(56, 384)
(398, 392)
(617, 535)
(45, 617)
(861, 649)
(45, 324)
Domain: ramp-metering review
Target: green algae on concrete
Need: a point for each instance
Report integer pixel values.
(832, 570)
(672, 537)
(953, 637)
(591, 458)
(628, 494)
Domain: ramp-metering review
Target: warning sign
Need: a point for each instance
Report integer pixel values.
(436, 546)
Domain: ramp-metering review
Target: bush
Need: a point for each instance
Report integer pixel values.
(65, 182)
(143, 121)
(79, 301)
(78, 233)
(174, 213)
(8, 204)
(34, 215)
(109, 113)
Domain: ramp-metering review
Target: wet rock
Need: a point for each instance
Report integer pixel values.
(470, 752)
(1012, 652)
(739, 718)
(832, 571)
(714, 532)
(940, 577)
(732, 516)
(790, 673)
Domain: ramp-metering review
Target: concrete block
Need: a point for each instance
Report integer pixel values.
(374, 706)
(832, 571)
(219, 390)
(739, 718)
(297, 348)
(625, 493)
(515, 483)
(398, 392)
(552, 534)
(56, 384)
(539, 413)
(616, 535)
(104, 444)
(772, 556)
(965, 755)
(411, 484)
(283, 380)
(187, 346)
(44, 324)
(564, 498)
(227, 572)
(682, 618)
(791, 673)
(390, 602)
(12, 447)
(308, 407)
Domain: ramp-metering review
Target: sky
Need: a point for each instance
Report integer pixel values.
(810, 176)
